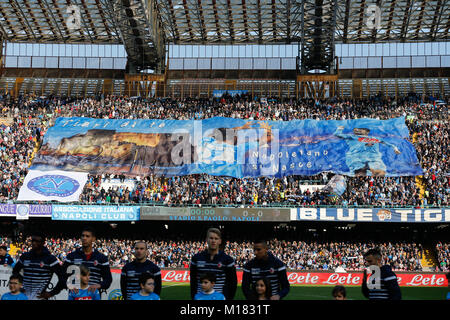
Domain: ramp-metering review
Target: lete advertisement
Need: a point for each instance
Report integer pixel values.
(215, 214)
(329, 278)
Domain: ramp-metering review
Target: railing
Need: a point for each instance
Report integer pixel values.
(236, 205)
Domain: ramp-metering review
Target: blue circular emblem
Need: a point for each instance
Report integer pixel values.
(116, 294)
(22, 210)
(54, 185)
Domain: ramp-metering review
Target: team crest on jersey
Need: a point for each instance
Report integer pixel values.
(271, 270)
(95, 263)
(41, 264)
(116, 294)
(219, 265)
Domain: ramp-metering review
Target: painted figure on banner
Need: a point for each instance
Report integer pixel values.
(364, 152)
(222, 146)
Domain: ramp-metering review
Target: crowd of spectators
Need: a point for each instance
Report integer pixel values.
(298, 255)
(443, 256)
(428, 124)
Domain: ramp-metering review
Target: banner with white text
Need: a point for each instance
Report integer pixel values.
(222, 146)
(95, 213)
(437, 215)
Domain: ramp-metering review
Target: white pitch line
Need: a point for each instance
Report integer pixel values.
(173, 285)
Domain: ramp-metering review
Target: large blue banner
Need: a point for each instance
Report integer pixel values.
(374, 214)
(229, 147)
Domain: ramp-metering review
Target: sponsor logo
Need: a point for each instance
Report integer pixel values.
(54, 185)
(384, 214)
(175, 276)
(368, 140)
(255, 270)
(426, 280)
(353, 278)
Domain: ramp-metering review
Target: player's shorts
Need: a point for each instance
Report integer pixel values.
(373, 165)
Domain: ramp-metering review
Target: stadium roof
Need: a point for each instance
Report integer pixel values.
(46, 21)
(223, 21)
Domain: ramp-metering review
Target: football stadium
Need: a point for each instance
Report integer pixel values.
(224, 150)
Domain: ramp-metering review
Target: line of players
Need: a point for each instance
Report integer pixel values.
(212, 273)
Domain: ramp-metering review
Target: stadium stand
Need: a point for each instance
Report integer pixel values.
(432, 140)
(140, 59)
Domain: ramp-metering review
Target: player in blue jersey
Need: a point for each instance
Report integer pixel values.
(265, 265)
(38, 267)
(5, 258)
(98, 264)
(129, 278)
(364, 152)
(15, 287)
(147, 285)
(83, 293)
(383, 284)
(207, 282)
(215, 261)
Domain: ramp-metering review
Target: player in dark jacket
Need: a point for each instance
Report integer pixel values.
(131, 272)
(265, 265)
(98, 264)
(38, 267)
(213, 260)
(383, 283)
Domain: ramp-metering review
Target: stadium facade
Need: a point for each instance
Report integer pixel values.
(191, 49)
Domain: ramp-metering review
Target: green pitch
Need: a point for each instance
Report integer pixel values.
(171, 291)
